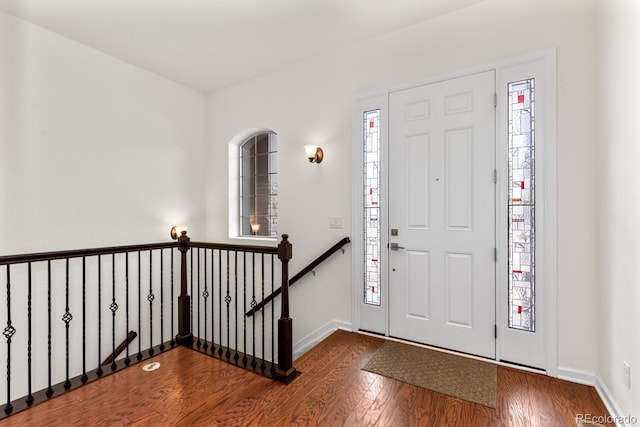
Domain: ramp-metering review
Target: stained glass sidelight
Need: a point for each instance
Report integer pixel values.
(371, 192)
(522, 205)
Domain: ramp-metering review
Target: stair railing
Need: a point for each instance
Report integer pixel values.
(309, 268)
(65, 310)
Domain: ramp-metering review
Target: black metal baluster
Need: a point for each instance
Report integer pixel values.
(263, 366)
(30, 399)
(139, 355)
(113, 307)
(150, 298)
(205, 295)
(220, 300)
(213, 297)
(99, 372)
(173, 341)
(227, 299)
(236, 356)
(8, 332)
(273, 317)
(244, 308)
(49, 392)
(191, 292)
(84, 377)
(162, 347)
(66, 318)
(127, 359)
(199, 342)
(254, 303)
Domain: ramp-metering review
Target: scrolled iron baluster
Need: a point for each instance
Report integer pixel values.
(67, 318)
(49, 391)
(199, 342)
(254, 303)
(205, 296)
(113, 307)
(227, 300)
(30, 399)
(150, 298)
(9, 332)
(127, 359)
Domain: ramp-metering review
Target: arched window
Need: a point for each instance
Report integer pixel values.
(259, 185)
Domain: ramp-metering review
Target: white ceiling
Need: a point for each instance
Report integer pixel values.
(210, 44)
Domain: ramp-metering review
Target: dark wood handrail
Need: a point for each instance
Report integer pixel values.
(77, 253)
(238, 248)
(312, 265)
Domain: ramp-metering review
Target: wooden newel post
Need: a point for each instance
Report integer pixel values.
(285, 371)
(184, 337)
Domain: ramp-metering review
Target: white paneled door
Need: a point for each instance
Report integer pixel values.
(442, 214)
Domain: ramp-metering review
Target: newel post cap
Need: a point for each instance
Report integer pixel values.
(285, 249)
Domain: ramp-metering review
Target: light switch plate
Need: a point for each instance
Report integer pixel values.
(335, 222)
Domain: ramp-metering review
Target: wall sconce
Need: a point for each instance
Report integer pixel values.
(314, 153)
(176, 231)
(255, 228)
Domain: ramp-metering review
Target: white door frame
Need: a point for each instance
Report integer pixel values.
(546, 215)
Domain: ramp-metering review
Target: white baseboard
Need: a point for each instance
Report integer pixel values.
(589, 378)
(306, 343)
(576, 376)
(610, 403)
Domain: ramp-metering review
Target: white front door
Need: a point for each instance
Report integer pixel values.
(442, 214)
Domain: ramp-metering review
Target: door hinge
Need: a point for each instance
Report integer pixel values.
(495, 254)
(495, 99)
(495, 331)
(495, 176)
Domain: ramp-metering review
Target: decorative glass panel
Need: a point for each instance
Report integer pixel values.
(372, 207)
(522, 205)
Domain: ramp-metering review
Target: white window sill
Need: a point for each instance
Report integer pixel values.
(253, 240)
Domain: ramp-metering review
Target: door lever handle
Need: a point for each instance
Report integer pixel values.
(395, 247)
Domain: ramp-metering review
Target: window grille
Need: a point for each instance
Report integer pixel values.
(259, 186)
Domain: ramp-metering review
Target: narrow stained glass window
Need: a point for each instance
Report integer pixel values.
(371, 194)
(522, 205)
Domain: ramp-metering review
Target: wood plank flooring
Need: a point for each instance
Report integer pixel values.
(192, 389)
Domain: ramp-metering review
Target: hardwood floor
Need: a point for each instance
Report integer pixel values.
(193, 389)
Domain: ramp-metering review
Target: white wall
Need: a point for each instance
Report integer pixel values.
(619, 205)
(311, 102)
(93, 151)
